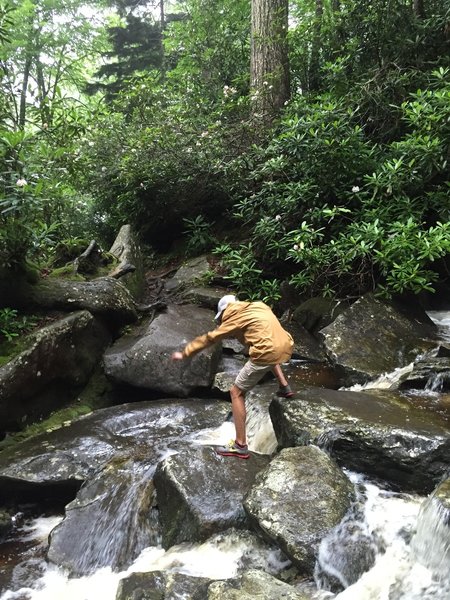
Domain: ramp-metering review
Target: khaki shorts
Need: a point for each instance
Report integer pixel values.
(250, 374)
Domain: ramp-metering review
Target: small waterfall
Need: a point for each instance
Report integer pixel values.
(431, 543)
(435, 383)
(442, 321)
(387, 381)
(410, 537)
(260, 434)
(110, 521)
(348, 551)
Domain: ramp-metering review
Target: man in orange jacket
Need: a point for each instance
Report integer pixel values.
(255, 325)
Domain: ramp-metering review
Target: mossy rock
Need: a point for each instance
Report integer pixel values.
(95, 395)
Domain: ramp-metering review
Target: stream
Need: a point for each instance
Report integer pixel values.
(412, 558)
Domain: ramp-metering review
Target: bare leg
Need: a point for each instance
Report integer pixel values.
(239, 414)
(276, 370)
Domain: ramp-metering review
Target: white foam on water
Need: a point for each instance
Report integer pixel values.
(397, 574)
(260, 434)
(218, 558)
(387, 381)
(39, 529)
(442, 319)
(431, 543)
(215, 437)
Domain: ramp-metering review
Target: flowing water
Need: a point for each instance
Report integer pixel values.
(408, 535)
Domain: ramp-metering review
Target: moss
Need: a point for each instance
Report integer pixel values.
(67, 272)
(95, 395)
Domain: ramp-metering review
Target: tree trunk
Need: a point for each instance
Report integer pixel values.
(419, 8)
(23, 91)
(269, 66)
(314, 65)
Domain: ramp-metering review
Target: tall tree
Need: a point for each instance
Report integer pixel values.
(314, 64)
(269, 65)
(136, 48)
(51, 47)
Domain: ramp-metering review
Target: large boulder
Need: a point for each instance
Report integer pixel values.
(114, 452)
(297, 500)
(201, 493)
(208, 297)
(381, 435)
(253, 585)
(316, 313)
(104, 297)
(306, 347)
(142, 358)
(373, 337)
(70, 455)
(58, 360)
(190, 274)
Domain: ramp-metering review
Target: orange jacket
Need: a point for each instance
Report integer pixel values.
(253, 324)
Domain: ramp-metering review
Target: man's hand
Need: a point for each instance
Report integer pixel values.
(177, 356)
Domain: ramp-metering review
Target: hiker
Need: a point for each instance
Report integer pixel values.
(255, 325)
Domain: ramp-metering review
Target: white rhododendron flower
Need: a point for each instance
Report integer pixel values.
(355, 188)
(21, 182)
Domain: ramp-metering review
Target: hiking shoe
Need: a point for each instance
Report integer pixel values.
(283, 394)
(233, 449)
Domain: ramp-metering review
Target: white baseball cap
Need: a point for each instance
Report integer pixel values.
(223, 303)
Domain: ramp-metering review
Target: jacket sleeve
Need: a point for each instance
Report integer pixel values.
(226, 329)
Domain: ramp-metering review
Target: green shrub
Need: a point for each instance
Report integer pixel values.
(12, 325)
(340, 215)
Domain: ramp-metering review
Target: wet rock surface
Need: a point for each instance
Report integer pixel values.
(58, 360)
(375, 435)
(432, 373)
(347, 552)
(373, 337)
(77, 451)
(200, 493)
(142, 358)
(114, 452)
(254, 585)
(160, 585)
(104, 465)
(111, 520)
(297, 500)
